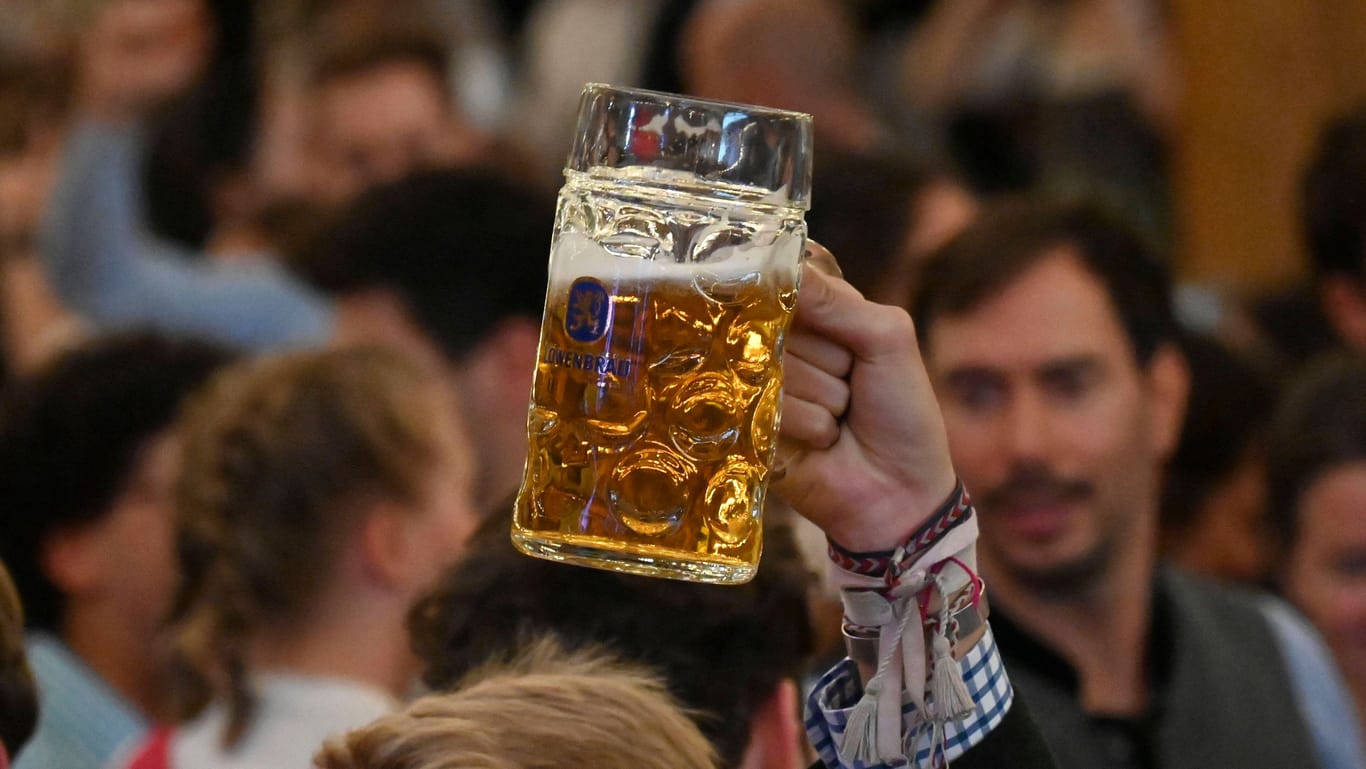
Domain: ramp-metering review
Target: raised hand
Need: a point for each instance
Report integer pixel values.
(863, 452)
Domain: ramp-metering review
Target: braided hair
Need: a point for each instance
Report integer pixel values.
(280, 457)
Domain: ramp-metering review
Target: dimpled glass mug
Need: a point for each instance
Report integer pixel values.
(673, 276)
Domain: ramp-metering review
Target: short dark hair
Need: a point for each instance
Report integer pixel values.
(463, 249)
(70, 435)
(1012, 236)
(722, 650)
(1333, 197)
(1320, 425)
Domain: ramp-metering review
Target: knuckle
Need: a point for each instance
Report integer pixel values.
(891, 326)
(828, 430)
(835, 397)
(814, 295)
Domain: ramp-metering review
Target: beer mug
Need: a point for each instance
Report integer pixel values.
(673, 276)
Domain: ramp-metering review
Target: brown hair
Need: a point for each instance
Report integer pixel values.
(355, 43)
(1012, 236)
(545, 710)
(279, 457)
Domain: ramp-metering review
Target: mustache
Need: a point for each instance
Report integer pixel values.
(1033, 485)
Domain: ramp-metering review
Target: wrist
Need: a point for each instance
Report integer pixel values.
(890, 519)
(951, 509)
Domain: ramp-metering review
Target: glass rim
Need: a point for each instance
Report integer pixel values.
(738, 147)
(678, 98)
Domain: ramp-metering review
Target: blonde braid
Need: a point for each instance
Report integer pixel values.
(277, 456)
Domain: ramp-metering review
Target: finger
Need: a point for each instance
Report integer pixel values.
(808, 423)
(820, 257)
(806, 382)
(832, 308)
(818, 351)
(788, 454)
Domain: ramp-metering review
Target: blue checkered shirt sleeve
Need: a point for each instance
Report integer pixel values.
(834, 696)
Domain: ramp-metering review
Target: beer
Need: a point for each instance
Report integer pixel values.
(654, 413)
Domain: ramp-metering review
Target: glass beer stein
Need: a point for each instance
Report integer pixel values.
(673, 276)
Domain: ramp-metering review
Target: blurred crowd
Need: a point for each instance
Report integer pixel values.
(271, 283)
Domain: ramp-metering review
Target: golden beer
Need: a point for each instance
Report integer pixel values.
(654, 413)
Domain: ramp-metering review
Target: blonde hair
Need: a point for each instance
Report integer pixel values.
(547, 709)
(280, 456)
(18, 695)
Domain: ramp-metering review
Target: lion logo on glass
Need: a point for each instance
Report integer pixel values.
(586, 318)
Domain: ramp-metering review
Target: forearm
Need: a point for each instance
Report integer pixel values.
(103, 264)
(89, 235)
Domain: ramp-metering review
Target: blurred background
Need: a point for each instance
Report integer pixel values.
(194, 165)
(280, 174)
(1197, 119)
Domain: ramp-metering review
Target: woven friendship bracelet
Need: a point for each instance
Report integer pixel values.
(904, 619)
(891, 564)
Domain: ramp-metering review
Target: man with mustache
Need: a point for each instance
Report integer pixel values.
(1049, 340)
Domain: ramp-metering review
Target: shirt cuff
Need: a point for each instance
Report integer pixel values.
(838, 691)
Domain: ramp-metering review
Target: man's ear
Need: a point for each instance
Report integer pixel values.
(70, 559)
(775, 737)
(1168, 377)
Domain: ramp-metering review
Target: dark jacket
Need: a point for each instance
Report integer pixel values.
(1221, 694)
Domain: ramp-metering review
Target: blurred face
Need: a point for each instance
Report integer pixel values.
(1053, 426)
(136, 53)
(133, 547)
(378, 126)
(1326, 574)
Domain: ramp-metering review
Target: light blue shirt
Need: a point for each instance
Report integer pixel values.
(104, 263)
(1320, 693)
(82, 721)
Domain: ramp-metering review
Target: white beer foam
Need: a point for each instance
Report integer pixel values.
(576, 255)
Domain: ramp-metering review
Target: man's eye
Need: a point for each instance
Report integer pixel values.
(979, 396)
(1350, 565)
(1069, 384)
